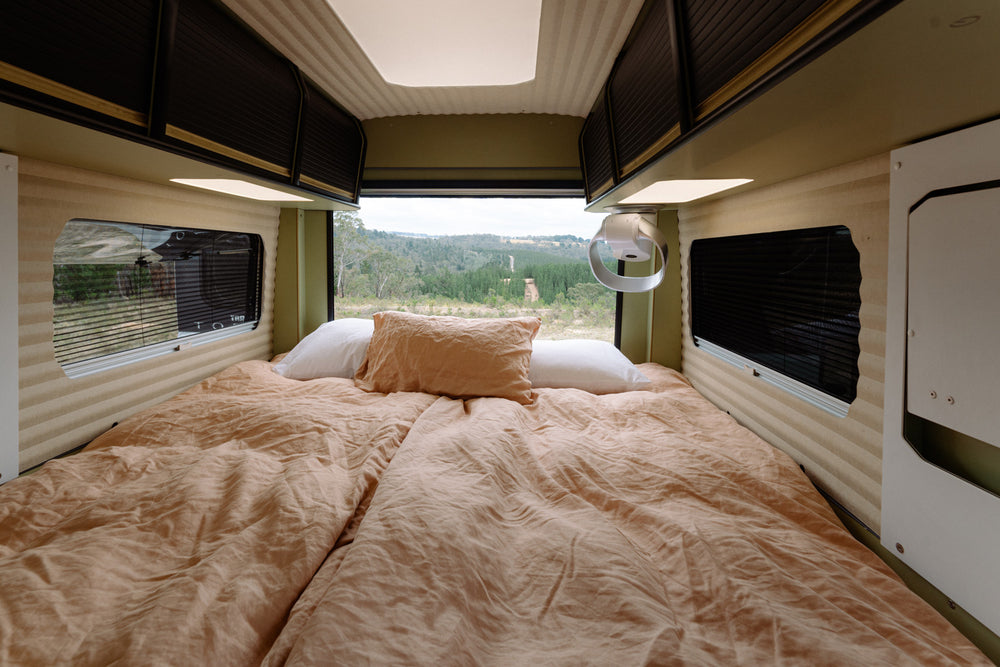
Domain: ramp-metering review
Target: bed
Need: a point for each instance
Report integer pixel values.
(263, 519)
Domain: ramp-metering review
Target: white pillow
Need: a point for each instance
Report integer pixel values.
(334, 349)
(591, 365)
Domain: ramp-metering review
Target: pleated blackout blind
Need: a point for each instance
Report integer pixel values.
(119, 287)
(786, 300)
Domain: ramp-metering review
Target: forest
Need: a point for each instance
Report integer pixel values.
(478, 275)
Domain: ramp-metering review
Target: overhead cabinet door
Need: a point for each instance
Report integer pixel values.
(733, 42)
(332, 147)
(230, 97)
(644, 92)
(84, 61)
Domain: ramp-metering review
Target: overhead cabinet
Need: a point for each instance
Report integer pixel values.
(643, 92)
(596, 151)
(228, 96)
(732, 44)
(84, 61)
(332, 147)
(185, 75)
(688, 62)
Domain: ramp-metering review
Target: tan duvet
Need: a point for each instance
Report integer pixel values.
(642, 528)
(639, 528)
(185, 535)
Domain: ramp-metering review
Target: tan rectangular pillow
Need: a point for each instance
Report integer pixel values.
(451, 356)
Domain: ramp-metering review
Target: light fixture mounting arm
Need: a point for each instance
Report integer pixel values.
(633, 236)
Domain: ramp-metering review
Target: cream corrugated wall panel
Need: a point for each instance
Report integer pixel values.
(57, 413)
(578, 41)
(841, 454)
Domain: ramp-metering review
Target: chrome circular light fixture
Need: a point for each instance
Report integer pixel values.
(633, 236)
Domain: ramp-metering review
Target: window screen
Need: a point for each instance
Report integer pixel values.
(787, 301)
(120, 287)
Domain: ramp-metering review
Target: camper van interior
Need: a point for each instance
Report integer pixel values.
(788, 456)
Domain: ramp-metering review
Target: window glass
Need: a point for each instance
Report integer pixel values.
(473, 258)
(119, 287)
(784, 301)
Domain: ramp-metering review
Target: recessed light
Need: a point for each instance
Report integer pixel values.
(681, 191)
(446, 42)
(232, 186)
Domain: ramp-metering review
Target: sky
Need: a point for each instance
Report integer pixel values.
(463, 215)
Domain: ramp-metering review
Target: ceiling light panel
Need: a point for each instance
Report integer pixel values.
(681, 191)
(239, 188)
(436, 43)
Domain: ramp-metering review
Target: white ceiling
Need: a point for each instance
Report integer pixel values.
(578, 42)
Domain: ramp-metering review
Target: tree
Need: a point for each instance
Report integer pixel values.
(391, 274)
(587, 295)
(350, 246)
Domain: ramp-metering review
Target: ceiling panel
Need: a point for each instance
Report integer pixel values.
(578, 42)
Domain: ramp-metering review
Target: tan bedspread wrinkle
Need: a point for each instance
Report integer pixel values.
(626, 529)
(185, 535)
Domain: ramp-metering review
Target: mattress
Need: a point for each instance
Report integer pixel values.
(256, 519)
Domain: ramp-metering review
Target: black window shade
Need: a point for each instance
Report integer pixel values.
(788, 301)
(119, 287)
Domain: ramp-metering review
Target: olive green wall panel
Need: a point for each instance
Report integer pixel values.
(535, 147)
(651, 321)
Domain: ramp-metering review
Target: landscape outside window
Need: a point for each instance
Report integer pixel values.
(473, 258)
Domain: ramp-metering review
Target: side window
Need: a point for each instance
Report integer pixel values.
(123, 291)
(785, 305)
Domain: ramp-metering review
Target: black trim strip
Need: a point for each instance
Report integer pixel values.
(331, 272)
(166, 36)
(619, 301)
(300, 132)
(840, 506)
(955, 190)
(397, 188)
(609, 121)
(677, 25)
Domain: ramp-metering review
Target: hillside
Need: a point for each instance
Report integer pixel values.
(472, 251)
(470, 268)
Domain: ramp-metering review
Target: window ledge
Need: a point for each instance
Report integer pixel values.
(809, 394)
(107, 362)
